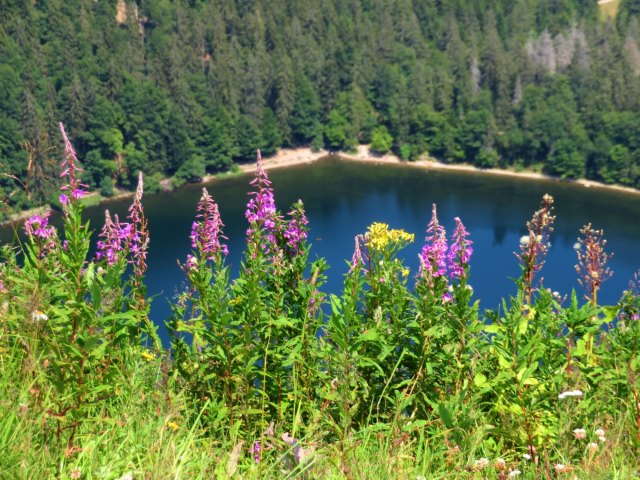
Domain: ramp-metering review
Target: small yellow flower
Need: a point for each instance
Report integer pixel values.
(405, 272)
(147, 356)
(173, 426)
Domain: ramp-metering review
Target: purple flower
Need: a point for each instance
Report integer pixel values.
(256, 450)
(71, 170)
(136, 233)
(38, 226)
(113, 238)
(206, 231)
(433, 257)
(358, 251)
(295, 232)
(261, 209)
(460, 251)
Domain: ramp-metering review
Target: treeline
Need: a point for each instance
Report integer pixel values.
(190, 86)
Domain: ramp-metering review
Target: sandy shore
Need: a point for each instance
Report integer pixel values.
(301, 156)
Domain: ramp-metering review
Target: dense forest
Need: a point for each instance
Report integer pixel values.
(184, 87)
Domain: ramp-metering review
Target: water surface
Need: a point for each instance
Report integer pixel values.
(342, 198)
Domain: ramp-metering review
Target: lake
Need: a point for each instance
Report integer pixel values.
(343, 197)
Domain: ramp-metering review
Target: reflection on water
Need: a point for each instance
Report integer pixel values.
(343, 198)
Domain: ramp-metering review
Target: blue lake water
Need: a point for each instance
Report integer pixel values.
(342, 198)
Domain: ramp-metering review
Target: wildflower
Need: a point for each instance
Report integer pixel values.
(261, 209)
(38, 316)
(192, 262)
(256, 451)
(113, 238)
(206, 231)
(433, 261)
(535, 246)
(570, 393)
(38, 226)
(481, 464)
(71, 170)
(561, 468)
(173, 426)
(75, 473)
(526, 456)
(500, 464)
(592, 447)
(591, 262)
(459, 252)
(295, 232)
(405, 272)
(147, 356)
(299, 453)
(580, 433)
(600, 432)
(137, 235)
(514, 473)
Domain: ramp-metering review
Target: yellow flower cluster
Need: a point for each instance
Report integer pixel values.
(379, 236)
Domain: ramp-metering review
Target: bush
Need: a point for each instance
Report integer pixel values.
(381, 140)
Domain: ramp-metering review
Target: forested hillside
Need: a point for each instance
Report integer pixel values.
(188, 86)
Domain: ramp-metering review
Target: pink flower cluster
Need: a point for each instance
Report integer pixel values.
(38, 226)
(206, 231)
(433, 257)
(133, 236)
(114, 238)
(437, 257)
(280, 237)
(261, 209)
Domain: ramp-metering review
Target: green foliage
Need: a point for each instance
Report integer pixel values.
(547, 83)
(398, 380)
(381, 140)
(193, 170)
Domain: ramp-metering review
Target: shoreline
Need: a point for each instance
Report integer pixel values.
(290, 157)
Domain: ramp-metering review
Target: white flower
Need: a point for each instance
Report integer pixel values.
(600, 432)
(560, 468)
(127, 476)
(526, 456)
(481, 464)
(570, 393)
(580, 433)
(38, 316)
(524, 240)
(514, 473)
(602, 439)
(592, 447)
(500, 464)
(576, 246)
